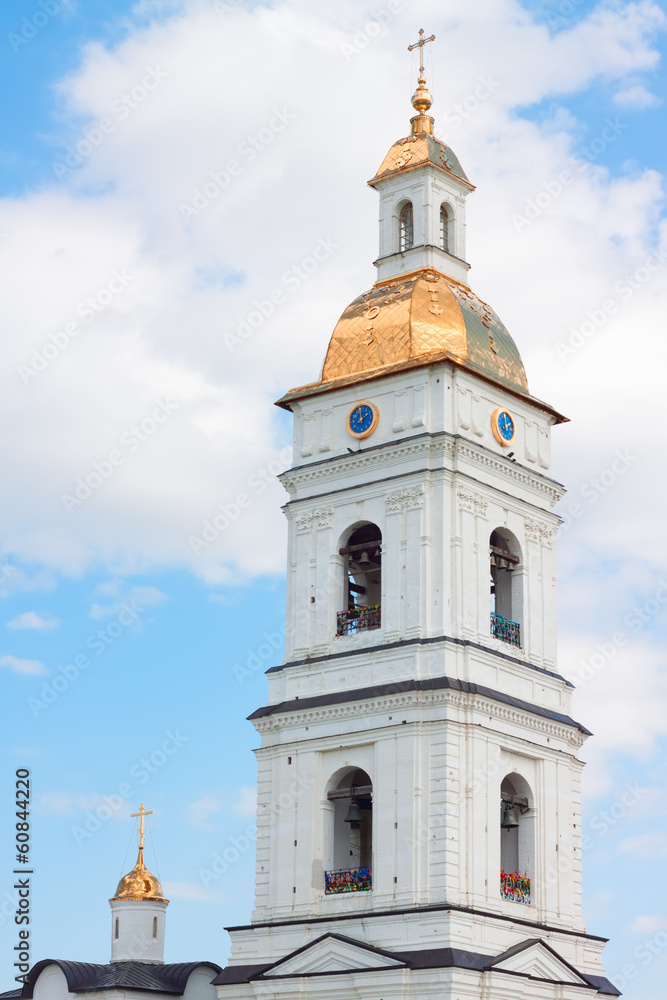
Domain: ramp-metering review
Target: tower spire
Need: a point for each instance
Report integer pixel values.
(421, 99)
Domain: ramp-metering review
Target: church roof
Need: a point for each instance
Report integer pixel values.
(417, 151)
(84, 977)
(140, 883)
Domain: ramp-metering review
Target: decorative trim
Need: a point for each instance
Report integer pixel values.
(538, 530)
(473, 502)
(323, 518)
(410, 498)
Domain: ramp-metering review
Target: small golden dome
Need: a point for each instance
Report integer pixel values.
(421, 99)
(139, 883)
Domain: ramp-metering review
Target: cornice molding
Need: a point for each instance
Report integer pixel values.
(465, 701)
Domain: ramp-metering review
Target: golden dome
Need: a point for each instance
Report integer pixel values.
(139, 883)
(415, 318)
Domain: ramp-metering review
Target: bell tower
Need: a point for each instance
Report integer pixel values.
(418, 820)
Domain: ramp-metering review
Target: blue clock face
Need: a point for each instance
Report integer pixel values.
(505, 426)
(362, 420)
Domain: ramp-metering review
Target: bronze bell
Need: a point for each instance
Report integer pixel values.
(364, 560)
(354, 814)
(510, 820)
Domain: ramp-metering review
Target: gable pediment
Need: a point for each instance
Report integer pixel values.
(537, 960)
(332, 954)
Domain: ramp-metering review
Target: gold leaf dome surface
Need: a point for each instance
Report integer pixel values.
(414, 318)
(139, 883)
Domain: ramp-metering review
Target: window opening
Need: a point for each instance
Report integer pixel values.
(516, 840)
(154, 927)
(115, 933)
(505, 603)
(352, 851)
(444, 229)
(406, 227)
(363, 581)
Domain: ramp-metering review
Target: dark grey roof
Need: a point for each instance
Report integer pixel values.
(428, 958)
(83, 977)
(399, 687)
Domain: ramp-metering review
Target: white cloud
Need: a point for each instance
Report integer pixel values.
(636, 97)
(200, 812)
(21, 666)
(647, 846)
(247, 801)
(67, 804)
(189, 890)
(136, 597)
(190, 282)
(31, 620)
(646, 924)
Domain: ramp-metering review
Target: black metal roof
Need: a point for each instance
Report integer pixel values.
(399, 687)
(83, 977)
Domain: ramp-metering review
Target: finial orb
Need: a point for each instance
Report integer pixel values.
(421, 99)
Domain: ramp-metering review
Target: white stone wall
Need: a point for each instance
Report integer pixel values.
(135, 923)
(427, 189)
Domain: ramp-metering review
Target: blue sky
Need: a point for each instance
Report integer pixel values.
(173, 667)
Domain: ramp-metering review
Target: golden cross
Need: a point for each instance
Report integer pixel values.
(142, 812)
(420, 45)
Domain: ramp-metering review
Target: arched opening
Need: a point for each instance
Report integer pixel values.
(362, 557)
(446, 229)
(116, 929)
(154, 927)
(350, 851)
(517, 839)
(406, 228)
(505, 587)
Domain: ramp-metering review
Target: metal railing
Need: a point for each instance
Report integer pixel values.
(508, 631)
(358, 620)
(348, 880)
(514, 886)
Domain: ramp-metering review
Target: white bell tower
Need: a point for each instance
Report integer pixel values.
(419, 828)
(138, 912)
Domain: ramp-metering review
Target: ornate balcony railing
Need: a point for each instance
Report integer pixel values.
(358, 620)
(514, 886)
(348, 880)
(508, 631)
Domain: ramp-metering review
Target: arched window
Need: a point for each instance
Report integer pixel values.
(115, 930)
(445, 227)
(517, 839)
(154, 927)
(506, 587)
(363, 581)
(406, 229)
(349, 850)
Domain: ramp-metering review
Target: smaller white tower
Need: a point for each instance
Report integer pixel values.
(423, 189)
(138, 912)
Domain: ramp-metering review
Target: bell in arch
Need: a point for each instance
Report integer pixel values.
(510, 819)
(364, 560)
(354, 814)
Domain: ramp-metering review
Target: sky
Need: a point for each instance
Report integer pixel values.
(164, 167)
